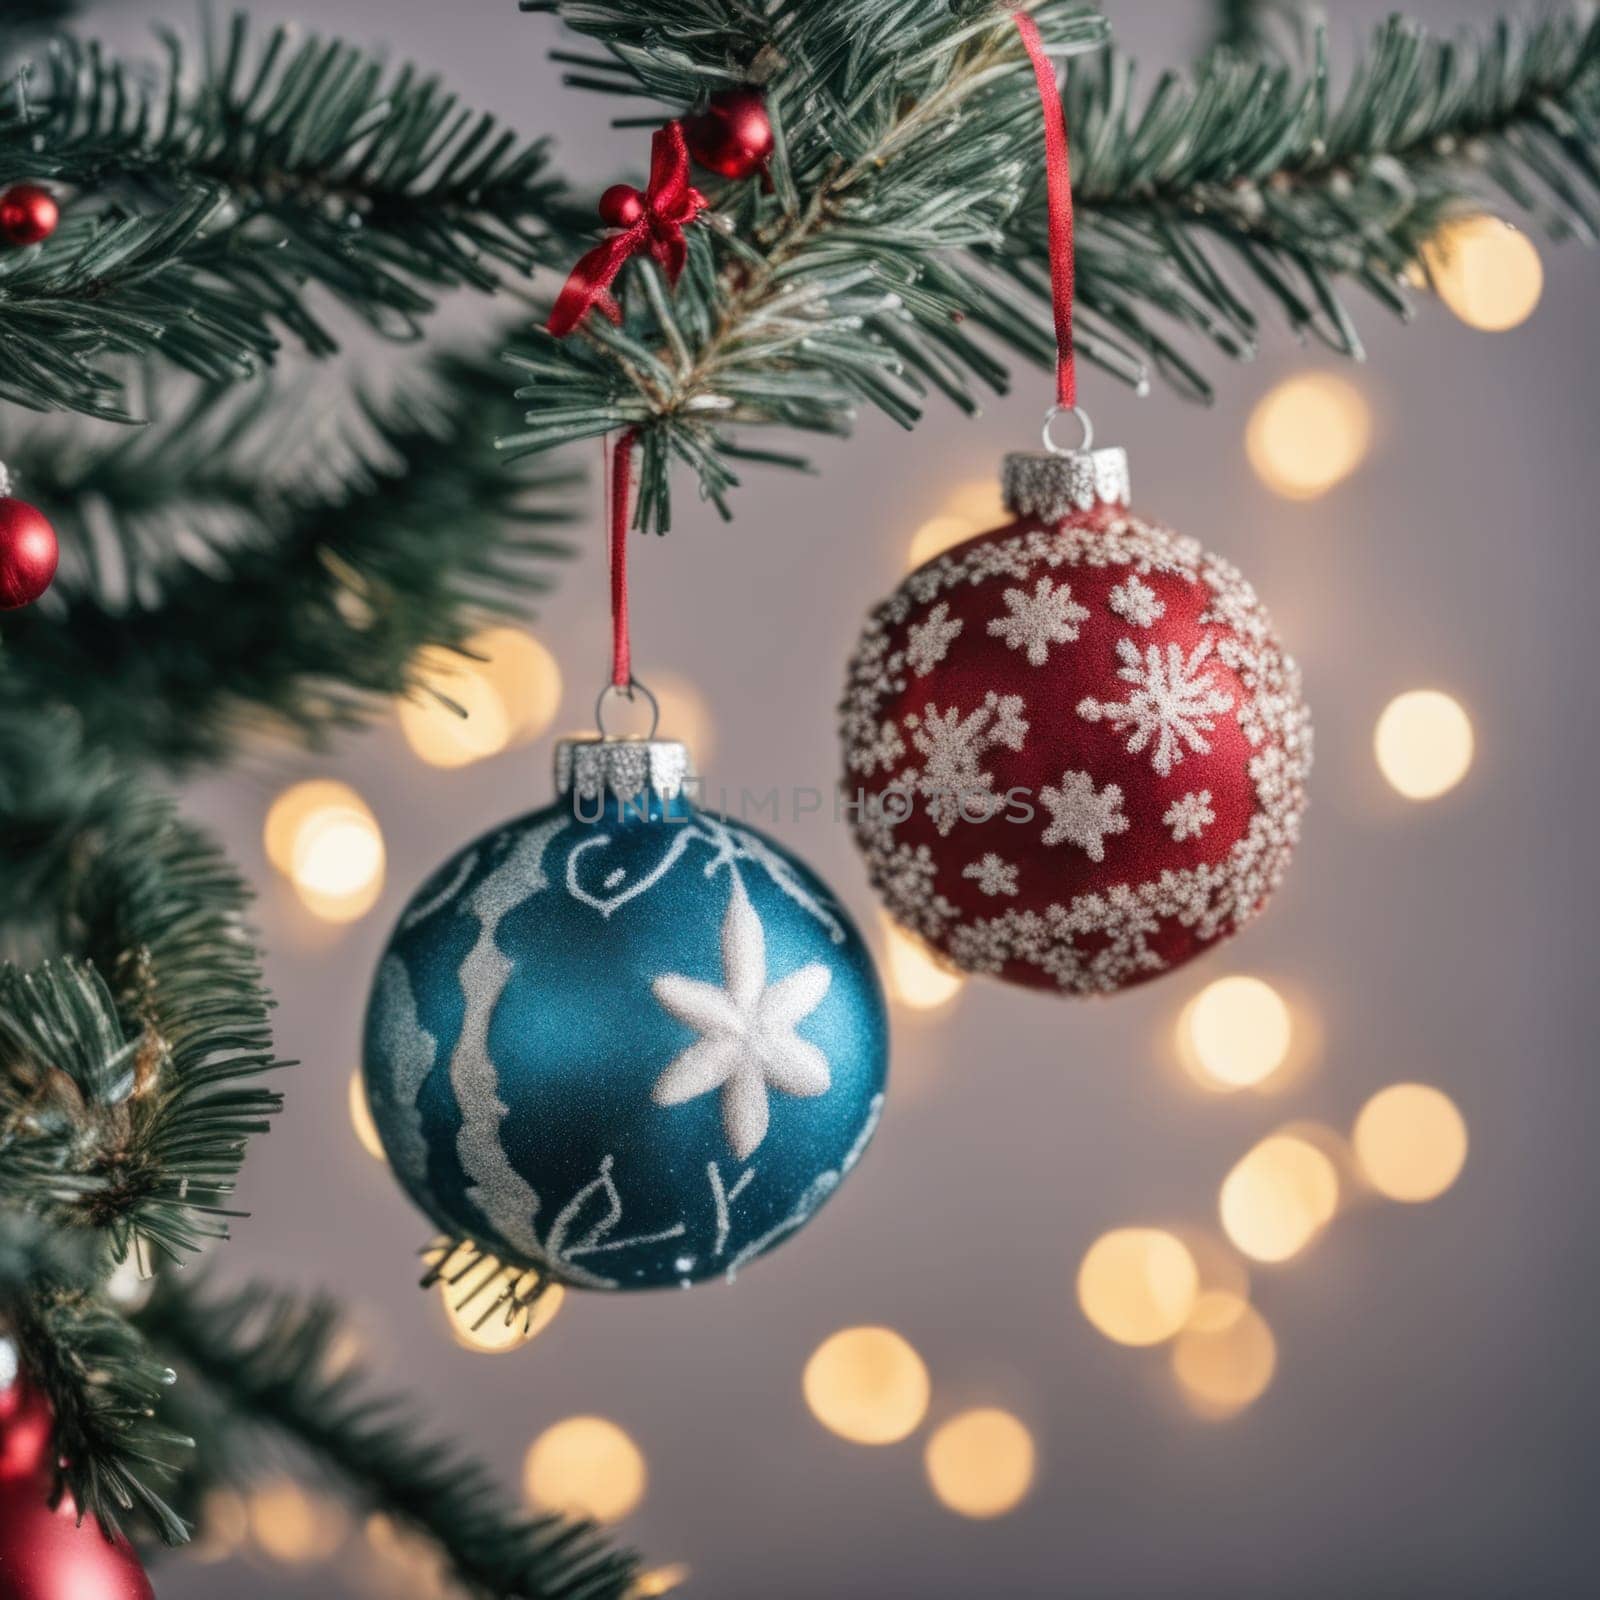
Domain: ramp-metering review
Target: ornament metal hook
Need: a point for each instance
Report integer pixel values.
(1084, 446)
(626, 692)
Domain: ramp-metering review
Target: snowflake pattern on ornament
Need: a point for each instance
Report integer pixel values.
(1136, 602)
(1048, 616)
(1189, 817)
(928, 643)
(1082, 817)
(992, 875)
(1213, 686)
(1172, 702)
(952, 745)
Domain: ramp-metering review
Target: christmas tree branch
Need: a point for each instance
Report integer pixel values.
(260, 1365)
(845, 284)
(1256, 175)
(283, 575)
(906, 211)
(291, 164)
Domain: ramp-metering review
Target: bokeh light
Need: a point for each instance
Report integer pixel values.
(1309, 434)
(291, 1527)
(337, 866)
(1279, 1197)
(1410, 1142)
(659, 1581)
(1235, 1033)
(475, 725)
(476, 1302)
(937, 535)
(685, 717)
(585, 1467)
(979, 503)
(1226, 1362)
(1423, 743)
(867, 1385)
(980, 1463)
(298, 805)
(224, 1528)
(361, 1117)
(1138, 1285)
(525, 676)
(916, 979)
(1486, 271)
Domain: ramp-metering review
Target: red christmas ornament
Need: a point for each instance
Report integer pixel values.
(28, 214)
(49, 1554)
(1080, 753)
(28, 553)
(733, 135)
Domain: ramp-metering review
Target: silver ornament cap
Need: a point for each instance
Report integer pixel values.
(1056, 482)
(597, 768)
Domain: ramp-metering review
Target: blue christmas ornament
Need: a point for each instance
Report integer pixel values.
(621, 1040)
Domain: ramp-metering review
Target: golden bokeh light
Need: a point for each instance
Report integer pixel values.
(979, 503)
(361, 1117)
(440, 733)
(916, 979)
(1309, 434)
(937, 535)
(524, 675)
(1486, 271)
(1227, 1362)
(585, 1467)
(1138, 1285)
(298, 805)
(224, 1527)
(980, 1463)
(483, 1290)
(1235, 1033)
(1423, 743)
(685, 717)
(337, 865)
(1215, 1311)
(292, 1527)
(1410, 1142)
(659, 1581)
(867, 1385)
(1279, 1197)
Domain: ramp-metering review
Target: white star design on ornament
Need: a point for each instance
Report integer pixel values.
(993, 875)
(1049, 616)
(747, 1042)
(1136, 602)
(1171, 702)
(928, 642)
(1082, 817)
(1189, 817)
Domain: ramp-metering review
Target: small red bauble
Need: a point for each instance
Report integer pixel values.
(733, 135)
(28, 214)
(621, 205)
(1078, 751)
(49, 1554)
(28, 553)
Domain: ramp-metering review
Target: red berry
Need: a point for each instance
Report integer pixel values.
(733, 135)
(28, 553)
(621, 206)
(28, 214)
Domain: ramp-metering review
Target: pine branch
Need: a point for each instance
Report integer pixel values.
(1256, 173)
(283, 578)
(906, 214)
(899, 147)
(126, 1072)
(104, 1384)
(1263, 27)
(259, 1365)
(290, 164)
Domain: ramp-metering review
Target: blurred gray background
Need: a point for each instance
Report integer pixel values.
(1429, 1430)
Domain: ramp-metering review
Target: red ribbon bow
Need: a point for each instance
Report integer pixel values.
(652, 221)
